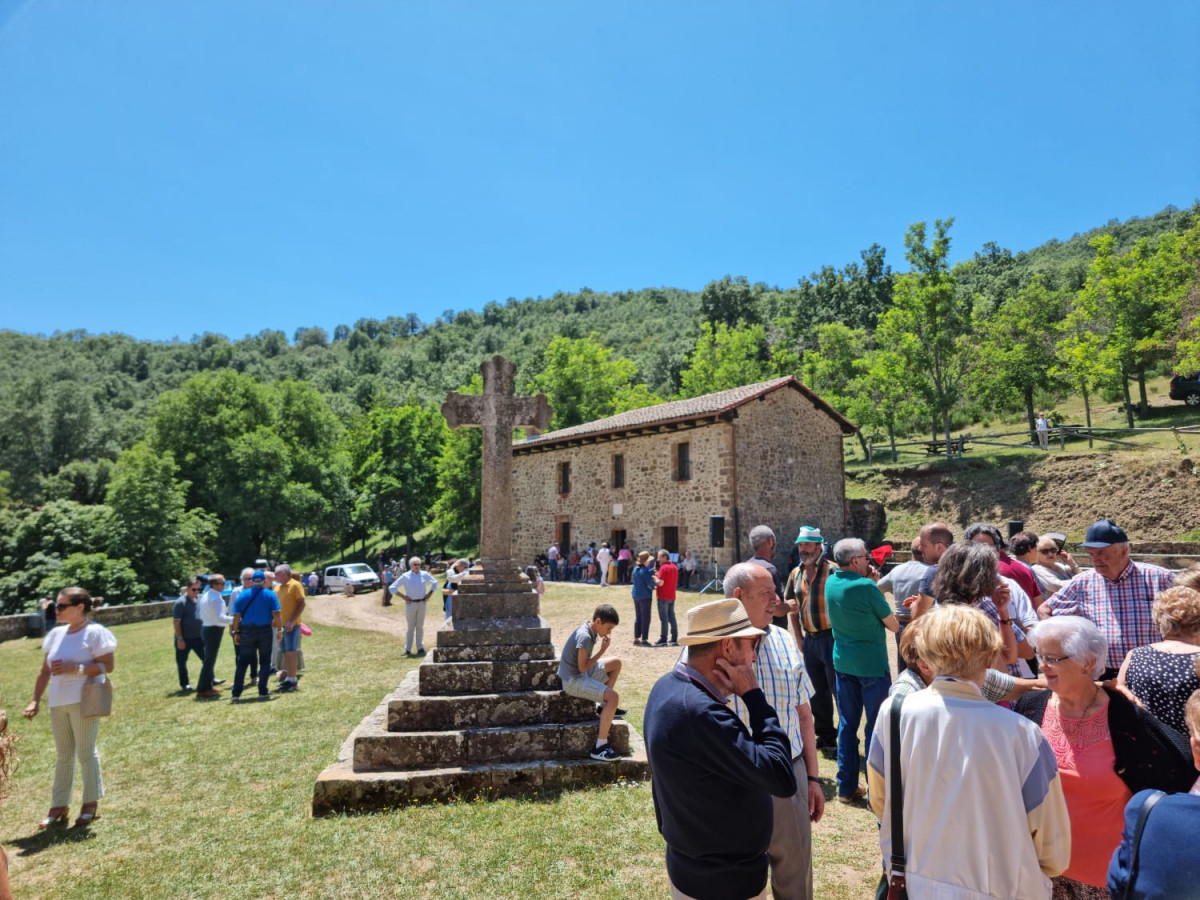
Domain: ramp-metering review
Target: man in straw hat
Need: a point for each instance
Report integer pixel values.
(713, 778)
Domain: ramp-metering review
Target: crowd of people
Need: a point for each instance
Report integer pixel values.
(1034, 722)
(604, 566)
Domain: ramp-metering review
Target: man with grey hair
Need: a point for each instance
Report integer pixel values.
(780, 672)
(861, 617)
(762, 541)
(416, 586)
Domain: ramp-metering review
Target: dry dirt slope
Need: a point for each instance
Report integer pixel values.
(1154, 495)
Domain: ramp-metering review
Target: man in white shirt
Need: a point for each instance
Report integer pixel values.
(416, 586)
(215, 618)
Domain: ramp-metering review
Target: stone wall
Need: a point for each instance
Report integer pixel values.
(30, 624)
(778, 463)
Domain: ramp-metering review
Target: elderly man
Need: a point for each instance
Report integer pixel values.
(416, 586)
(1116, 594)
(255, 621)
(779, 669)
(713, 779)
(861, 617)
(805, 595)
(902, 582)
(762, 541)
(291, 605)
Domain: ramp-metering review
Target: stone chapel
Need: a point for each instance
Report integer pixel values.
(762, 454)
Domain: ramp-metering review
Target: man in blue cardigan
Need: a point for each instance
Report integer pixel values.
(712, 778)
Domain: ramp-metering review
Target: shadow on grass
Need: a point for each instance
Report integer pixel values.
(51, 837)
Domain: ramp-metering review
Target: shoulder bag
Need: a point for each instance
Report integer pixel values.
(896, 887)
(97, 695)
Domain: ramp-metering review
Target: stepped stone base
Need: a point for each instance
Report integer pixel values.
(483, 716)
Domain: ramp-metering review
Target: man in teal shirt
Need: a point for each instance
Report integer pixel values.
(861, 617)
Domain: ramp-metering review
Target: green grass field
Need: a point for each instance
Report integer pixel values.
(212, 799)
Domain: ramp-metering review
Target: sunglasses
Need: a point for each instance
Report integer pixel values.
(1051, 550)
(64, 605)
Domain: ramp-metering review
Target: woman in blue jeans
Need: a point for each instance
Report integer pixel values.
(643, 595)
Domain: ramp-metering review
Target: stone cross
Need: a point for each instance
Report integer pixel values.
(498, 412)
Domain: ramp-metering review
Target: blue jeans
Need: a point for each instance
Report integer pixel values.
(818, 659)
(641, 619)
(554, 570)
(666, 616)
(855, 695)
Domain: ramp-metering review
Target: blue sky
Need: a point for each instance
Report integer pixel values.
(169, 168)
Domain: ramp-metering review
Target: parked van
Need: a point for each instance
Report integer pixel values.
(359, 576)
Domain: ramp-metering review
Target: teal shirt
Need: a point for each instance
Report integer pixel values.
(857, 609)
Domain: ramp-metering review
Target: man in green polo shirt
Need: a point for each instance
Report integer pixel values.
(861, 617)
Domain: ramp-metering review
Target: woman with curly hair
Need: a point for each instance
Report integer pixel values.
(1165, 674)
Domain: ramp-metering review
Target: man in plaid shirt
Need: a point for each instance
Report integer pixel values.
(779, 669)
(1116, 594)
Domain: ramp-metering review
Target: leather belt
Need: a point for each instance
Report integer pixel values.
(410, 600)
(819, 634)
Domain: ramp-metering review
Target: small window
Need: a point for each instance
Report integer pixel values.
(564, 478)
(683, 461)
(564, 537)
(619, 470)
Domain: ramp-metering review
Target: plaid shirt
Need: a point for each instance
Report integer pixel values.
(813, 614)
(1120, 609)
(784, 680)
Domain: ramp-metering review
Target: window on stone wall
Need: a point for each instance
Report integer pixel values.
(564, 478)
(618, 470)
(683, 461)
(564, 538)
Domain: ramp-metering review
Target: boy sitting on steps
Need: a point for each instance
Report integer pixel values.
(585, 675)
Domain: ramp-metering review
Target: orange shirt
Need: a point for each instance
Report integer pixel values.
(1095, 794)
(290, 595)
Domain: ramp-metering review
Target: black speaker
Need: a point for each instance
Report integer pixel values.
(1015, 526)
(716, 531)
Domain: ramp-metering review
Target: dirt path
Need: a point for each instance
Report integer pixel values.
(362, 611)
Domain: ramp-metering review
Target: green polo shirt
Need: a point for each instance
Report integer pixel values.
(856, 610)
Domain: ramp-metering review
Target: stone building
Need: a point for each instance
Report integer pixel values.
(767, 453)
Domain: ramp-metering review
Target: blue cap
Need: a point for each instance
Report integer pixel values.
(1104, 533)
(258, 575)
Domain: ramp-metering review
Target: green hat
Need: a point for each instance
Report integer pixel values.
(809, 535)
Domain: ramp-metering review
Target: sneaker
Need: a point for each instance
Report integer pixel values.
(605, 754)
(287, 687)
(673, 644)
(219, 680)
(661, 643)
(618, 714)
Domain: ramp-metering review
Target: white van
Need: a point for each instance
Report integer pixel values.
(357, 576)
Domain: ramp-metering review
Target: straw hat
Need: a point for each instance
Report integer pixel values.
(717, 620)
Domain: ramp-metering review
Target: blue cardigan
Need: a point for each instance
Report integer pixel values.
(712, 784)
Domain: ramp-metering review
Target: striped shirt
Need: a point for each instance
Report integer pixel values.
(813, 614)
(1120, 609)
(784, 680)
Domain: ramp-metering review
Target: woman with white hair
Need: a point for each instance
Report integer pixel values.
(1107, 748)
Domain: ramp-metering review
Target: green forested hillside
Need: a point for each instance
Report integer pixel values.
(214, 450)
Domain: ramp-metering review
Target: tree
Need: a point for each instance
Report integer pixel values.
(457, 511)
(725, 358)
(928, 324)
(152, 527)
(582, 379)
(99, 574)
(730, 301)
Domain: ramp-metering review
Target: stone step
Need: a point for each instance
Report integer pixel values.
(492, 605)
(340, 789)
(386, 751)
(488, 676)
(499, 652)
(408, 710)
(476, 632)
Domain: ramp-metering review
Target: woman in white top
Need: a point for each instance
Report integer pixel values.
(76, 650)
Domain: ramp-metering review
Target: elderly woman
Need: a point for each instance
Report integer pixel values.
(643, 597)
(967, 574)
(1106, 747)
(1053, 567)
(1163, 675)
(76, 650)
(984, 814)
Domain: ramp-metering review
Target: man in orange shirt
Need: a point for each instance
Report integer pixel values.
(291, 605)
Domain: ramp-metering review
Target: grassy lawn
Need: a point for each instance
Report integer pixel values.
(212, 799)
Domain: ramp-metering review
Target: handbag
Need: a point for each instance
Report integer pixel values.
(97, 695)
(896, 887)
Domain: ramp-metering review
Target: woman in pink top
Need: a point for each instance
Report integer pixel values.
(1106, 748)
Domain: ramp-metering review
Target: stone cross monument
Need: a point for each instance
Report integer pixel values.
(498, 412)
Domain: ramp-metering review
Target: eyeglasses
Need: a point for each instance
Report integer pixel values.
(1051, 660)
(64, 605)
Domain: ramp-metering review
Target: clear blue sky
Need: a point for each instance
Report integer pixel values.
(169, 168)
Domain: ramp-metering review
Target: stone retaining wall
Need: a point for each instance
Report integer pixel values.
(30, 624)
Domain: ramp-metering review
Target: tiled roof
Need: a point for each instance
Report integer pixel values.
(684, 410)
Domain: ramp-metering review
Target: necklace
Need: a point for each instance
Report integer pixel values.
(1087, 709)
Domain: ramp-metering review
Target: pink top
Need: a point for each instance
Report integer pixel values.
(1095, 794)
(625, 553)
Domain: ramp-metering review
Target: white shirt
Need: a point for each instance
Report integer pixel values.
(211, 610)
(410, 584)
(73, 649)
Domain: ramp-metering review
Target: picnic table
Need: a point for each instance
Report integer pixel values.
(958, 446)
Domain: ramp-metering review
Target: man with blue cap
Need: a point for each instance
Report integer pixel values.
(255, 625)
(1115, 594)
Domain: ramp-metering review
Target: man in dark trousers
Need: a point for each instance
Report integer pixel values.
(712, 777)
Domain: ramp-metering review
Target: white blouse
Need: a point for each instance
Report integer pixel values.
(81, 647)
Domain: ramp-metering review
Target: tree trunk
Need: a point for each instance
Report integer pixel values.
(1087, 412)
(1128, 400)
(1029, 415)
(892, 440)
(863, 441)
(1143, 403)
(946, 424)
